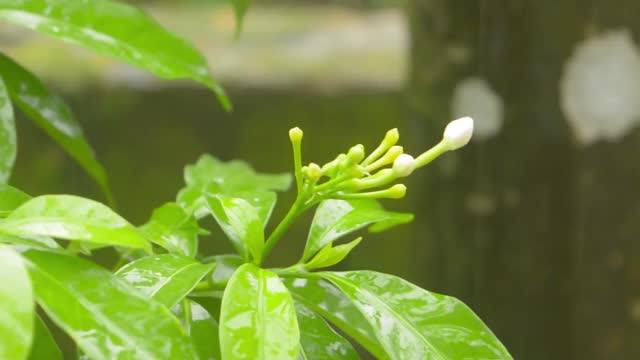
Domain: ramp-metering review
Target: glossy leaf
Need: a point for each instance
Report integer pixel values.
(330, 255)
(44, 346)
(73, 218)
(234, 178)
(38, 242)
(258, 319)
(10, 199)
(327, 300)
(412, 323)
(240, 8)
(173, 229)
(117, 30)
(336, 218)
(318, 340)
(241, 222)
(166, 278)
(202, 329)
(107, 318)
(52, 115)
(226, 265)
(8, 140)
(16, 306)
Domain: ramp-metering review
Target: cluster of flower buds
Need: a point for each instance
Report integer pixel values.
(355, 175)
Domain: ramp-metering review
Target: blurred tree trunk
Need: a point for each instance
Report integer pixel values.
(537, 235)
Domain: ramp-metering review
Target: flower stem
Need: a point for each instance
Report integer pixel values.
(296, 210)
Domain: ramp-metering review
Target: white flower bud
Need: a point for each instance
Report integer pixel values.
(458, 133)
(404, 165)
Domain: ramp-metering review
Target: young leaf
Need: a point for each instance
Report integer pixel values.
(16, 310)
(240, 8)
(72, 218)
(44, 346)
(234, 178)
(325, 299)
(166, 278)
(10, 199)
(318, 340)
(412, 323)
(336, 218)
(117, 30)
(173, 229)
(8, 141)
(241, 222)
(258, 319)
(202, 329)
(329, 255)
(51, 114)
(107, 318)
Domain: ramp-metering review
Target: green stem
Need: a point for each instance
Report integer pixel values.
(296, 210)
(186, 309)
(297, 164)
(431, 154)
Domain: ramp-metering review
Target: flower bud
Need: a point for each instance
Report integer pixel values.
(458, 133)
(390, 139)
(404, 165)
(295, 135)
(356, 154)
(312, 172)
(388, 158)
(397, 191)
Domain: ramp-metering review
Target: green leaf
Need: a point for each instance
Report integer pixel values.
(318, 340)
(173, 229)
(107, 318)
(329, 255)
(8, 140)
(202, 329)
(413, 323)
(234, 178)
(226, 266)
(38, 242)
(336, 218)
(258, 319)
(10, 199)
(240, 8)
(166, 278)
(117, 30)
(241, 222)
(53, 116)
(16, 306)
(72, 218)
(44, 346)
(325, 299)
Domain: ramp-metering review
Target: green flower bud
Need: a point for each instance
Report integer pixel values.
(387, 159)
(312, 172)
(295, 135)
(391, 138)
(356, 154)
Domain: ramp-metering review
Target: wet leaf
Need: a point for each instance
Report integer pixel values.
(17, 306)
(44, 346)
(8, 141)
(51, 114)
(318, 340)
(327, 300)
(202, 329)
(226, 265)
(336, 218)
(234, 178)
(413, 323)
(107, 318)
(173, 229)
(10, 199)
(117, 30)
(258, 319)
(330, 255)
(241, 222)
(166, 278)
(72, 218)
(37, 242)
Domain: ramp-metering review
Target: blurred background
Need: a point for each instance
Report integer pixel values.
(535, 225)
